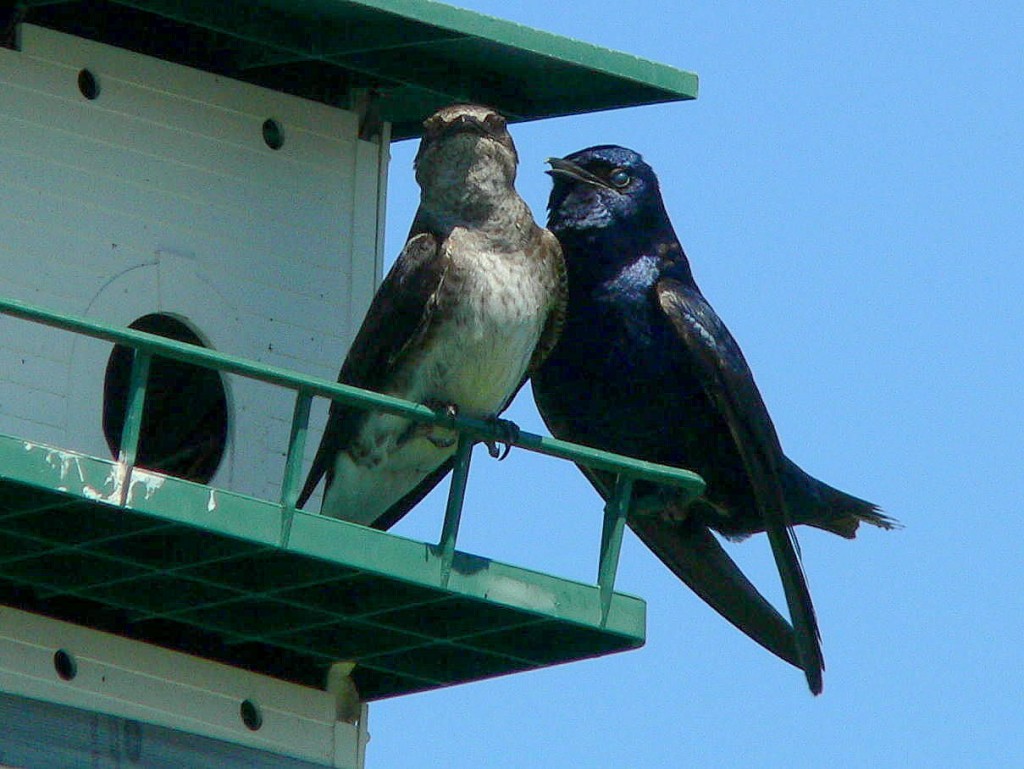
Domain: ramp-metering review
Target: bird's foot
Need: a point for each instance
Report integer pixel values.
(508, 433)
(441, 437)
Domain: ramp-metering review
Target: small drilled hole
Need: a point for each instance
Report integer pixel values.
(88, 84)
(251, 715)
(65, 665)
(273, 134)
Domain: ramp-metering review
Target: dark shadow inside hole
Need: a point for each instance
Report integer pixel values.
(185, 418)
(65, 665)
(273, 134)
(251, 715)
(88, 85)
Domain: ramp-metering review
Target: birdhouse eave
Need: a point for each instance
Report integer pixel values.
(408, 56)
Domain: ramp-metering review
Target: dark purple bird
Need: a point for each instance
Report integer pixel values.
(646, 368)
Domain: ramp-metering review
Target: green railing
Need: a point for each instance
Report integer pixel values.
(471, 431)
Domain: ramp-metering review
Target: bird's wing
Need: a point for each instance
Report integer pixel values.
(399, 315)
(729, 384)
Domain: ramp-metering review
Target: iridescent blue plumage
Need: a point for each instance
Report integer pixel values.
(644, 367)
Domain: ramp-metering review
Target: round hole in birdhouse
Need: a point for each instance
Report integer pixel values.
(65, 665)
(184, 426)
(88, 84)
(273, 134)
(251, 715)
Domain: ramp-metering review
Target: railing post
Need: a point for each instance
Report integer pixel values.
(293, 462)
(129, 448)
(453, 512)
(616, 510)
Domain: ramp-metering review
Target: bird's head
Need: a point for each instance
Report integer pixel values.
(607, 212)
(603, 186)
(466, 151)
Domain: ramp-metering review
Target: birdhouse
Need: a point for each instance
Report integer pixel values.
(215, 175)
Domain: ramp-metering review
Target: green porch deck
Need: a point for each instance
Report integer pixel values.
(204, 571)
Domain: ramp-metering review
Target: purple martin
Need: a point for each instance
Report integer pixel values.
(472, 305)
(646, 368)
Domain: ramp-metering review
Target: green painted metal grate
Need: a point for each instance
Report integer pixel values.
(263, 586)
(229, 592)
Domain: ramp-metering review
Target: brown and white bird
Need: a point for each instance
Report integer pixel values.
(471, 307)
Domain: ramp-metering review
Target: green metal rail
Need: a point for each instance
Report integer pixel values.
(471, 431)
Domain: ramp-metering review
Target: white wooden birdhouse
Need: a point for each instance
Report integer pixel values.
(215, 173)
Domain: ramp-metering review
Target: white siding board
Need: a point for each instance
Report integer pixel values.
(20, 336)
(33, 404)
(183, 83)
(121, 178)
(32, 430)
(34, 371)
(82, 201)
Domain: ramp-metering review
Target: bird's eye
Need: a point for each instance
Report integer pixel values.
(619, 177)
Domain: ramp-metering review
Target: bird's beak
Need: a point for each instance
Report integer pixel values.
(490, 126)
(560, 167)
(468, 123)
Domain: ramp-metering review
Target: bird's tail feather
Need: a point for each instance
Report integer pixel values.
(847, 523)
(824, 507)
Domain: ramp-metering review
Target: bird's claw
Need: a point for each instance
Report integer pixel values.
(449, 410)
(508, 433)
(438, 435)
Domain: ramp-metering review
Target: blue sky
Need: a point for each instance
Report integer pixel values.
(848, 187)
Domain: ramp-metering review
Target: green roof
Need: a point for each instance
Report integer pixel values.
(415, 54)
